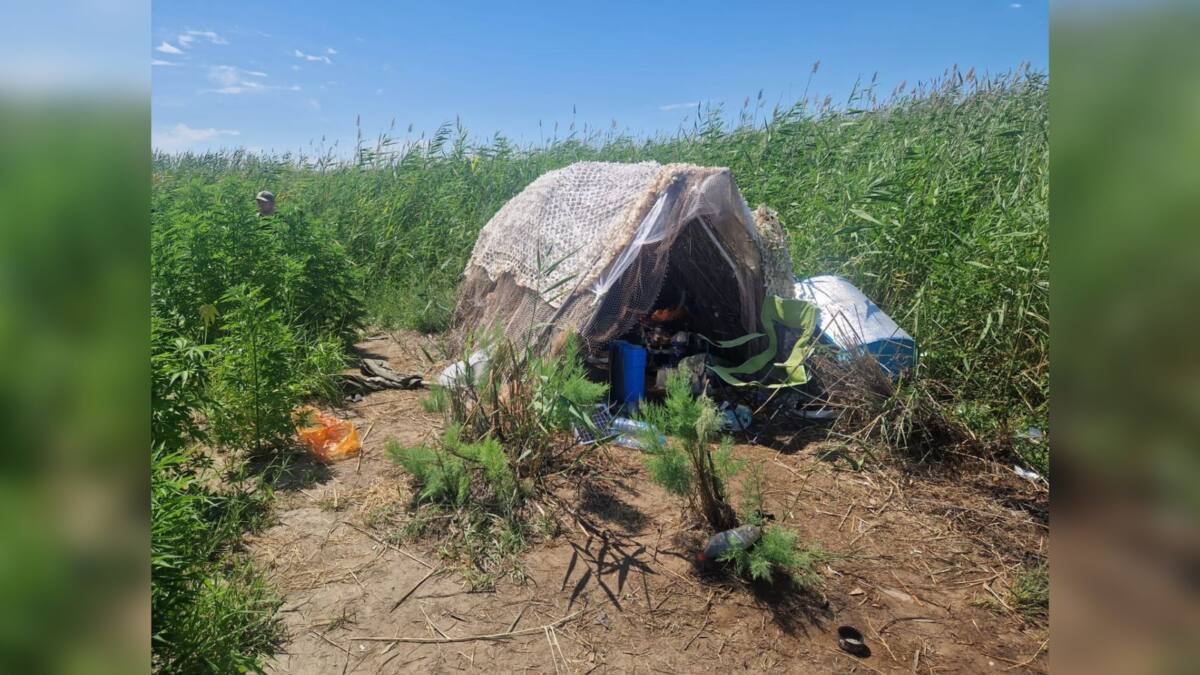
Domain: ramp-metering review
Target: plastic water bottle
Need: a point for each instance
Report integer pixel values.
(742, 537)
(630, 433)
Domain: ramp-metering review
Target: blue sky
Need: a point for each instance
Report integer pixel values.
(281, 75)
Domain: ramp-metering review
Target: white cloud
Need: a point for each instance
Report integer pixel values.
(160, 62)
(314, 104)
(378, 92)
(311, 57)
(330, 50)
(1015, 5)
(295, 67)
(676, 106)
(223, 75)
(233, 80)
(182, 137)
(189, 35)
(168, 48)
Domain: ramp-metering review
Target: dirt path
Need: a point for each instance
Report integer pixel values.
(920, 566)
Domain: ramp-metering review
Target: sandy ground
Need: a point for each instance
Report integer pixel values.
(920, 566)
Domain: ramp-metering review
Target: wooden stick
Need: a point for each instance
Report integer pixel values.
(362, 447)
(517, 620)
(470, 638)
(384, 543)
(348, 651)
(433, 626)
(415, 587)
(702, 627)
(879, 636)
(1029, 660)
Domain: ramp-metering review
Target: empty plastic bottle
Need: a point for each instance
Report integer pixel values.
(631, 432)
(741, 537)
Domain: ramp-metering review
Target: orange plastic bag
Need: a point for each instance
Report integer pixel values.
(330, 439)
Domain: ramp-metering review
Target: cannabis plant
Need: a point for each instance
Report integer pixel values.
(254, 390)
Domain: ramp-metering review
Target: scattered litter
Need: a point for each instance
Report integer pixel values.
(734, 419)
(850, 640)
(856, 591)
(329, 439)
(693, 368)
(459, 374)
(819, 415)
(377, 374)
(1032, 434)
(741, 537)
(1028, 475)
(629, 433)
(621, 431)
(601, 422)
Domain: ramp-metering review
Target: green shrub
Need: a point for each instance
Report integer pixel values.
(564, 397)
(210, 612)
(497, 472)
(687, 465)
(776, 553)
(753, 487)
(248, 315)
(441, 476)
(529, 402)
(486, 533)
(447, 472)
(670, 467)
(687, 468)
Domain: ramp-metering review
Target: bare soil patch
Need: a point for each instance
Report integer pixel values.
(920, 567)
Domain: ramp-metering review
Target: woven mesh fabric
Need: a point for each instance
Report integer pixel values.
(587, 249)
(562, 225)
(777, 259)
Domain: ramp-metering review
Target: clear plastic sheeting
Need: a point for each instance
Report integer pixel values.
(589, 248)
(651, 231)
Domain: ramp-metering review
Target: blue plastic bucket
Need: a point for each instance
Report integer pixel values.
(628, 374)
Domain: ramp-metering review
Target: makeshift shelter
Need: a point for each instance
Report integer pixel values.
(597, 248)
